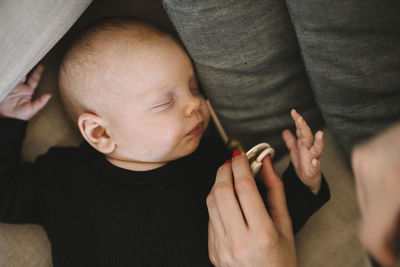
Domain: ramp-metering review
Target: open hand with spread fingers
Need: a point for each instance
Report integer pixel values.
(305, 151)
(18, 103)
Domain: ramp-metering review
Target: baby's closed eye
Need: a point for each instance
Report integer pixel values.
(164, 103)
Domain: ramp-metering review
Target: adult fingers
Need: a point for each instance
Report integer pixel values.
(34, 78)
(215, 218)
(250, 199)
(306, 135)
(223, 197)
(318, 146)
(211, 243)
(276, 197)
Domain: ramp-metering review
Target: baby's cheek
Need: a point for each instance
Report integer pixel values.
(168, 133)
(163, 135)
(157, 148)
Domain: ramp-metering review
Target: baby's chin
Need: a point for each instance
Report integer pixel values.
(189, 148)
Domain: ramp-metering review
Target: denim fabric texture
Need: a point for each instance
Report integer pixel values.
(248, 62)
(247, 58)
(351, 51)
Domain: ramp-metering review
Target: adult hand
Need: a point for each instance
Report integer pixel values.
(18, 103)
(241, 231)
(376, 166)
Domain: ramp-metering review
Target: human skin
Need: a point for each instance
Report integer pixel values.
(376, 166)
(19, 104)
(241, 231)
(133, 94)
(150, 104)
(305, 151)
(280, 250)
(274, 231)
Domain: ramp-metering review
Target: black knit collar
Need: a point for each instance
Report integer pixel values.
(100, 164)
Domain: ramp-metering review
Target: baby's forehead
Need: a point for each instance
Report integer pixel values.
(114, 57)
(112, 49)
(124, 58)
(91, 67)
(142, 36)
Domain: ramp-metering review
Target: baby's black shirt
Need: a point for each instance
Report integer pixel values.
(97, 214)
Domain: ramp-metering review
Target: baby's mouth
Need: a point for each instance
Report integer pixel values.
(197, 130)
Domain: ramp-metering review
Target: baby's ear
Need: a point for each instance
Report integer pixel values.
(92, 128)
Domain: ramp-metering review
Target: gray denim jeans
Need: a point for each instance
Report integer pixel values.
(247, 56)
(247, 60)
(351, 51)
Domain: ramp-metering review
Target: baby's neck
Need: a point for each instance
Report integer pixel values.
(135, 165)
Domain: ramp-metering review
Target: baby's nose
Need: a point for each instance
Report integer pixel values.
(193, 104)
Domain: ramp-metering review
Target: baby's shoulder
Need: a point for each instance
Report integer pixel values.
(63, 169)
(59, 155)
(63, 151)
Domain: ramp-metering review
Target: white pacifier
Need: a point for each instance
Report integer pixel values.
(257, 154)
(254, 155)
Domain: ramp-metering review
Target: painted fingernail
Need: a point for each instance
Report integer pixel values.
(228, 161)
(236, 153)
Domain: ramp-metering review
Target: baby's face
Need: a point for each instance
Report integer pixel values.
(155, 113)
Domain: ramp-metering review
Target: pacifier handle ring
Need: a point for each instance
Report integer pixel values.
(256, 155)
